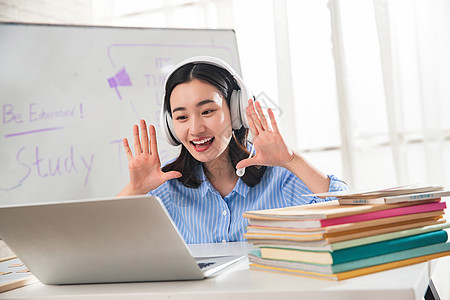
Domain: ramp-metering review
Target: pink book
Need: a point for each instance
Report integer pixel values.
(330, 213)
(393, 212)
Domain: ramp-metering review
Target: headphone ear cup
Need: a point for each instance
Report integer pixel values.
(169, 132)
(238, 108)
(235, 110)
(243, 104)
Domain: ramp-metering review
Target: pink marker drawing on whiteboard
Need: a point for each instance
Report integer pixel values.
(120, 79)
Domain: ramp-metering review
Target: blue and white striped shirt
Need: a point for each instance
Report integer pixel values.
(203, 216)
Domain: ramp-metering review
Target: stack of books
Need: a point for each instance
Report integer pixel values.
(336, 240)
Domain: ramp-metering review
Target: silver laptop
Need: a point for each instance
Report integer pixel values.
(124, 239)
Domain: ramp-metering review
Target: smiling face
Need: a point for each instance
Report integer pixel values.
(201, 119)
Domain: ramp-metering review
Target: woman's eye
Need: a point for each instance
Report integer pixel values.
(180, 118)
(207, 112)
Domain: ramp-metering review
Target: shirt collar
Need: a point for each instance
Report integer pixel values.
(205, 185)
(241, 188)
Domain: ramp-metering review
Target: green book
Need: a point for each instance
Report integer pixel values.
(355, 253)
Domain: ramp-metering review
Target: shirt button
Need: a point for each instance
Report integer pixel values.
(224, 213)
(223, 241)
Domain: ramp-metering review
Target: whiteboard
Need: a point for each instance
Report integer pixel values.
(70, 94)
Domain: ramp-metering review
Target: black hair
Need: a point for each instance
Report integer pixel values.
(186, 164)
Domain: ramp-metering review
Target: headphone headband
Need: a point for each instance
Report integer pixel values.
(238, 102)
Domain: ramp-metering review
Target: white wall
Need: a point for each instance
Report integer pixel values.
(46, 11)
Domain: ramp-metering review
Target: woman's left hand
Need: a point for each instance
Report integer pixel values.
(271, 150)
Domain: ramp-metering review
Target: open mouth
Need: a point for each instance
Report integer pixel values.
(202, 145)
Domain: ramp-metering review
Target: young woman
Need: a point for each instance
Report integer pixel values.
(200, 188)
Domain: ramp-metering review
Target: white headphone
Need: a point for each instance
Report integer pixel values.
(238, 101)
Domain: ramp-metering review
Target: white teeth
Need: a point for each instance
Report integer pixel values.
(202, 141)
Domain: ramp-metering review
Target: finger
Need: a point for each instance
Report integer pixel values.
(144, 137)
(262, 117)
(247, 163)
(251, 124)
(171, 175)
(137, 143)
(153, 142)
(255, 117)
(126, 146)
(273, 121)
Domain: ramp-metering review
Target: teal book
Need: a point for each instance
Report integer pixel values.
(355, 253)
(391, 257)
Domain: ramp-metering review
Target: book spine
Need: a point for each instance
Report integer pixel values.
(388, 200)
(393, 212)
(417, 197)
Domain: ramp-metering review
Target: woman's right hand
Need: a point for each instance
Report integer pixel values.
(144, 166)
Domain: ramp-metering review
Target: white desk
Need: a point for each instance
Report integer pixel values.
(240, 283)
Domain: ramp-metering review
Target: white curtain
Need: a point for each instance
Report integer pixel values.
(413, 60)
(414, 39)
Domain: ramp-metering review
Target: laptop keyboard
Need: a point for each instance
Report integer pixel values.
(203, 265)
